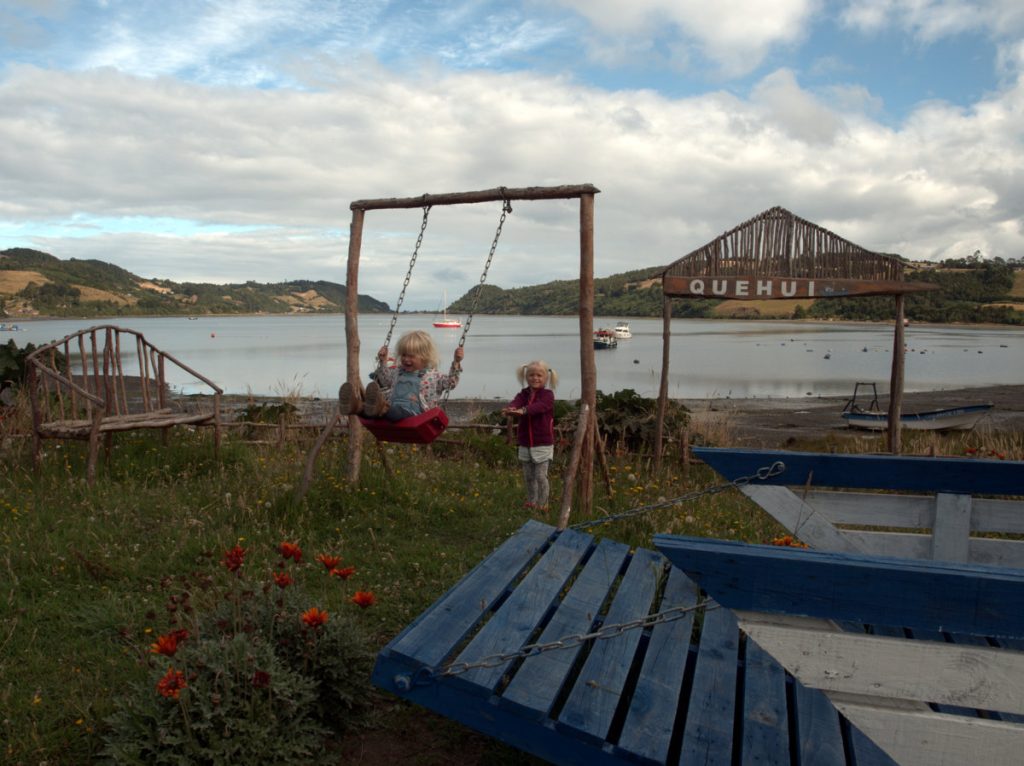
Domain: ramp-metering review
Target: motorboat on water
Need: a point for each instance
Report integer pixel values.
(622, 330)
(604, 339)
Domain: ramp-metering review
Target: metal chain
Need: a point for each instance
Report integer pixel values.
(408, 274)
(573, 640)
(765, 472)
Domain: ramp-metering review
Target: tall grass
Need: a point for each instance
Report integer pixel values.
(82, 566)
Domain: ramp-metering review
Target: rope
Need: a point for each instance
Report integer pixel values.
(765, 472)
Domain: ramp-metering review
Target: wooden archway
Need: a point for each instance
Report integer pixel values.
(777, 255)
(582, 458)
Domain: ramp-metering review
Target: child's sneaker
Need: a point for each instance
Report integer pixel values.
(374, 403)
(349, 401)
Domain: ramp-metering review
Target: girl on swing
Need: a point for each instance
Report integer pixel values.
(535, 406)
(412, 387)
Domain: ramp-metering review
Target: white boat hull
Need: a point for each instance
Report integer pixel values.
(950, 419)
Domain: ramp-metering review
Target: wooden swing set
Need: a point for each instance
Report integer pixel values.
(424, 428)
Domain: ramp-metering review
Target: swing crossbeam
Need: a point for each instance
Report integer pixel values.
(683, 690)
(497, 194)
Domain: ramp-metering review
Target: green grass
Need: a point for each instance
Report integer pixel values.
(82, 567)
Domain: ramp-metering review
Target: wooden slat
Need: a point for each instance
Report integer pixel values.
(521, 613)
(952, 527)
(537, 682)
(965, 476)
(925, 738)
(647, 732)
(873, 508)
(975, 676)
(708, 732)
(598, 688)
(818, 733)
(765, 718)
(926, 595)
(433, 636)
(811, 525)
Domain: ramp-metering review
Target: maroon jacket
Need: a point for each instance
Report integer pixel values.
(537, 425)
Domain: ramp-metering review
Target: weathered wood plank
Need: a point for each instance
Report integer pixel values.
(765, 717)
(965, 476)
(818, 733)
(811, 525)
(598, 688)
(437, 631)
(873, 508)
(926, 738)
(922, 595)
(952, 527)
(647, 732)
(520, 614)
(708, 731)
(974, 676)
(539, 679)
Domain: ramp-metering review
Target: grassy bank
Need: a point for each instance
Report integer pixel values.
(86, 570)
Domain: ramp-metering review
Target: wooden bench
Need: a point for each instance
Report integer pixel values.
(688, 688)
(106, 379)
(828, 502)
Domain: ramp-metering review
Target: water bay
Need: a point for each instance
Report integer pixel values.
(305, 354)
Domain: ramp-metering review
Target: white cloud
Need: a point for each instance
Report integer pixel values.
(930, 20)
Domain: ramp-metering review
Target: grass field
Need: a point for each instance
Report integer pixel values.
(86, 569)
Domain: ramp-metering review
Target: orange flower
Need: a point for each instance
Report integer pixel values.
(329, 562)
(314, 617)
(283, 579)
(168, 645)
(364, 598)
(345, 573)
(234, 558)
(290, 551)
(171, 684)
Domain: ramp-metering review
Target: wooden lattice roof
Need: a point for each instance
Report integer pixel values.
(802, 257)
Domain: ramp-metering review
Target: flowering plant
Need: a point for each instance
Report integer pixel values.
(251, 670)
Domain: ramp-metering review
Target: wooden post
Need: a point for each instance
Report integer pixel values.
(588, 367)
(307, 474)
(666, 335)
(684, 451)
(355, 430)
(896, 381)
(569, 483)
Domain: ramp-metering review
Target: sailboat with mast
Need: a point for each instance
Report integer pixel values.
(445, 320)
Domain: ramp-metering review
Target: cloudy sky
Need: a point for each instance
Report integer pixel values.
(223, 140)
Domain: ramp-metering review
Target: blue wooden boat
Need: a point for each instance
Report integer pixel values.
(946, 419)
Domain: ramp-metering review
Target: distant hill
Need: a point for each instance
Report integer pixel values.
(34, 283)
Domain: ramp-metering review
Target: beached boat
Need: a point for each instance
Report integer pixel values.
(446, 321)
(947, 419)
(622, 330)
(604, 339)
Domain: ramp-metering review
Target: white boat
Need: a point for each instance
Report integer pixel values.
(622, 330)
(604, 339)
(947, 419)
(446, 321)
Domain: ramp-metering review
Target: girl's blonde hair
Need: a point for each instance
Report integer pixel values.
(419, 343)
(552, 379)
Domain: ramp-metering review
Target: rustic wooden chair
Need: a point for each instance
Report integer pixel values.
(105, 379)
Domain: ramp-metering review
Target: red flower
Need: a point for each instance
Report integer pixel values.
(234, 558)
(364, 598)
(261, 679)
(329, 562)
(283, 579)
(171, 684)
(345, 573)
(290, 551)
(314, 617)
(168, 645)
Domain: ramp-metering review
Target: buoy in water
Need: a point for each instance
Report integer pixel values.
(213, 335)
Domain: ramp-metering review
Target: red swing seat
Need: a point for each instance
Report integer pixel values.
(419, 429)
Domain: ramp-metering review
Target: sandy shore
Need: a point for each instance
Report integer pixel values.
(763, 422)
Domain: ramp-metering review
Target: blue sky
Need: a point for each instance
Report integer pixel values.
(223, 141)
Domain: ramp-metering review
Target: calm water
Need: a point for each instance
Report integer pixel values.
(273, 355)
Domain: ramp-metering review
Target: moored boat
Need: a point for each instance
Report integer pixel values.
(604, 339)
(622, 330)
(946, 419)
(445, 320)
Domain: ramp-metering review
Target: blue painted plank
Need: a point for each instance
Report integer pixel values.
(965, 476)
(522, 612)
(817, 725)
(538, 680)
(765, 712)
(647, 733)
(433, 636)
(598, 688)
(923, 595)
(708, 732)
